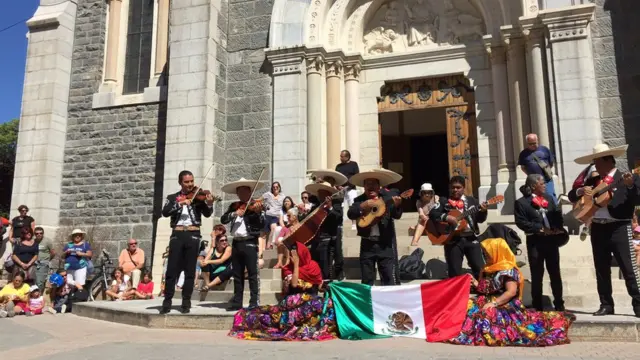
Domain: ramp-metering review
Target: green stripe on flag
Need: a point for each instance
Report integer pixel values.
(354, 310)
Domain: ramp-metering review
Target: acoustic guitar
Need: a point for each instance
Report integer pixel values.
(441, 232)
(586, 207)
(377, 211)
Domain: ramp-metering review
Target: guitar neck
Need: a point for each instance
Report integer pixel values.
(467, 213)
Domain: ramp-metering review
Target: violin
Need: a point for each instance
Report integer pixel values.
(200, 195)
(253, 206)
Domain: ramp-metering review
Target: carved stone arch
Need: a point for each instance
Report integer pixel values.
(315, 21)
(287, 23)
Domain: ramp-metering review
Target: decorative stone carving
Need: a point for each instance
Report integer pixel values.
(401, 25)
(334, 68)
(315, 65)
(352, 72)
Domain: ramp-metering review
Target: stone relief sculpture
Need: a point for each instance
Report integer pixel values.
(422, 23)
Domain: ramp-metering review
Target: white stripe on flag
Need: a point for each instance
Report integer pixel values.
(397, 311)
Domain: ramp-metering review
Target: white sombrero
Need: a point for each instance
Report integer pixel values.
(315, 187)
(384, 176)
(600, 151)
(322, 173)
(231, 187)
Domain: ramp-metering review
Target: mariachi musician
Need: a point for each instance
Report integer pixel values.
(324, 243)
(611, 225)
(245, 221)
(186, 209)
(466, 243)
(378, 241)
(540, 217)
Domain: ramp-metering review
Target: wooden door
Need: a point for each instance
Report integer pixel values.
(463, 151)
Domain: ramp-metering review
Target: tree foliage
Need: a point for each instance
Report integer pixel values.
(8, 144)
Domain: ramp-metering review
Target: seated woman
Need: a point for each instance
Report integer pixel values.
(497, 317)
(120, 287)
(217, 263)
(301, 315)
(283, 220)
(292, 223)
(14, 296)
(428, 199)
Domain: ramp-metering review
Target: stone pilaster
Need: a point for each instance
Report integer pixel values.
(162, 37)
(535, 78)
(352, 94)
(43, 121)
(334, 70)
(502, 120)
(113, 44)
(573, 83)
(315, 76)
(289, 118)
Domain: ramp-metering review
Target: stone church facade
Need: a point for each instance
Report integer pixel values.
(121, 95)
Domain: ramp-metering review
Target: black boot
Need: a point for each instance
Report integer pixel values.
(559, 305)
(604, 310)
(233, 307)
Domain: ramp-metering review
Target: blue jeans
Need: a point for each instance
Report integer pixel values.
(550, 189)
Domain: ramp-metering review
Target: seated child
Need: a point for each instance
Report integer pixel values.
(145, 288)
(36, 302)
(61, 293)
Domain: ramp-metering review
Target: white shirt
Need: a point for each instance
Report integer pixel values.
(603, 212)
(375, 230)
(185, 219)
(239, 229)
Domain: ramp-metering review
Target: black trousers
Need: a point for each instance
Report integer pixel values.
(615, 238)
(244, 254)
(337, 256)
(320, 249)
(183, 254)
(542, 251)
(456, 250)
(382, 254)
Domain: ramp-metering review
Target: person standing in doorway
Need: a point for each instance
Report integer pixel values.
(538, 159)
(348, 168)
(186, 219)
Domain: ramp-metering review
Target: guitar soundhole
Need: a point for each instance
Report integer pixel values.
(374, 209)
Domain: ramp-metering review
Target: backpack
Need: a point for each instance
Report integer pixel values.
(411, 267)
(505, 232)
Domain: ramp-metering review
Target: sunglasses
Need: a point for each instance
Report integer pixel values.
(223, 239)
(533, 143)
(135, 243)
(39, 233)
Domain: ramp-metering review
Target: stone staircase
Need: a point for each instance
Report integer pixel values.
(576, 263)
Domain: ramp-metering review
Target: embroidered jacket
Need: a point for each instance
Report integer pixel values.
(173, 210)
(253, 221)
(442, 208)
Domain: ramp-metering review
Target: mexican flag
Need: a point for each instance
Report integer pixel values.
(432, 311)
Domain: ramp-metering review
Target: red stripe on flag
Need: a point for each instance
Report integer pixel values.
(444, 305)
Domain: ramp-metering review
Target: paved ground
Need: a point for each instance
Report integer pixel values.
(67, 337)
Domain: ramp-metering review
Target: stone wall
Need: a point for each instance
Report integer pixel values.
(110, 154)
(248, 92)
(616, 54)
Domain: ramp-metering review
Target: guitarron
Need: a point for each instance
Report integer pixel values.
(586, 207)
(441, 232)
(378, 210)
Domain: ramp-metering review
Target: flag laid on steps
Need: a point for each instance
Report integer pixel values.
(432, 311)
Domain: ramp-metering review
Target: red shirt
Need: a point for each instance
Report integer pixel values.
(146, 288)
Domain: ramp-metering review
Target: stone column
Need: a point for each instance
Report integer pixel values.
(289, 118)
(315, 74)
(502, 120)
(113, 43)
(334, 74)
(573, 83)
(519, 98)
(43, 120)
(537, 98)
(162, 36)
(352, 100)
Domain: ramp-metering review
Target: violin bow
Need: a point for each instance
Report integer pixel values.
(256, 184)
(203, 179)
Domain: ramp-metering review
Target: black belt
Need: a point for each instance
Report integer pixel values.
(243, 238)
(609, 221)
(372, 238)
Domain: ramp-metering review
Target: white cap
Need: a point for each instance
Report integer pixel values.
(426, 187)
(33, 288)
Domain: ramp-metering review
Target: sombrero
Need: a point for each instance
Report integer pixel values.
(315, 187)
(384, 176)
(231, 187)
(600, 151)
(322, 173)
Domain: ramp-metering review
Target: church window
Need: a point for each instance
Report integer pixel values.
(139, 46)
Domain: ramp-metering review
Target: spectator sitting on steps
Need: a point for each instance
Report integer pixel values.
(131, 260)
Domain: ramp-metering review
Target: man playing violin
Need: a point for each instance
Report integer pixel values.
(378, 241)
(245, 221)
(466, 243)
(611, 230)
(186, 211)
